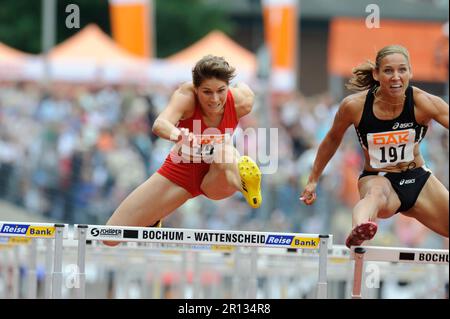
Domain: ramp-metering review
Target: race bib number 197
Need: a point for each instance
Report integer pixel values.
(390, 148)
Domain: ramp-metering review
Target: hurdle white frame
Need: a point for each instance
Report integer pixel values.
(83, 233)
(10, 260)
(60, 232)
(388, 254)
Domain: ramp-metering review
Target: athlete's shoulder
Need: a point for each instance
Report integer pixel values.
(242, 93)
(183, 100)
(425, 100)
(243, 98)
(186, 94)
(351, 108)
(186, 88)
(421, 96)
(428, 106)
(354, 101)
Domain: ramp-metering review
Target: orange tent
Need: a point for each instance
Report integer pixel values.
(16, 65)
(7, 53)
(93, 45)
(91, 55)
(351, 42)
(215, 43)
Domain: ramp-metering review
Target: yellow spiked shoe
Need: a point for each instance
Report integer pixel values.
(250, 180)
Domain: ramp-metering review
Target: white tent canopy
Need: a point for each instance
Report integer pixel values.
(17, 65)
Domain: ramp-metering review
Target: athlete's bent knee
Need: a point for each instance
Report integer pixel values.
(224, 156)
(220, 166)
(224, 194)
(377, 194)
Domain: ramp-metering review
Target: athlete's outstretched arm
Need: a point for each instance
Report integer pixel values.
(181, 105)
(328, 147)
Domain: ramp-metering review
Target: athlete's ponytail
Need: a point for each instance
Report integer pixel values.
(362, 78)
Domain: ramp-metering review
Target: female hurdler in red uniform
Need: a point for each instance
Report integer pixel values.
(202, 161)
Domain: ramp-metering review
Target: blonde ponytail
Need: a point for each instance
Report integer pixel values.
(362, 78)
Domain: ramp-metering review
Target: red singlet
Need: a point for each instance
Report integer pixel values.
(190, 175)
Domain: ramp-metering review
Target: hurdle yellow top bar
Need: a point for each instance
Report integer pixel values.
(12, 241)
(202, 236)
(30, 230)
(404, 255)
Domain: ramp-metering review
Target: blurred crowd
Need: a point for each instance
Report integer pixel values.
(72, 153)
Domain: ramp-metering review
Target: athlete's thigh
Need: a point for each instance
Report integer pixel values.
(151, 201)
(431, 207)
(215, 184)
(372, 183)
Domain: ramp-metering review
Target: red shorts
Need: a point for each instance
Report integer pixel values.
(187, 175)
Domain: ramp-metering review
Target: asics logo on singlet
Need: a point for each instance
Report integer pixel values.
(407, 181)
(402, 125)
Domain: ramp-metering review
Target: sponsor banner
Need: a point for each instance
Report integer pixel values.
(431, 257)
(41, 231)
(279, 240)
(10, 241)
(293, 241)
(229, 238)
(405, 255)
(181, 247)
(128, 233)
(224, 248)
(14, 229)
(423, 257)
(216, 240)
(106, 232)
(19, 240)
(302, 242)
(26, 230)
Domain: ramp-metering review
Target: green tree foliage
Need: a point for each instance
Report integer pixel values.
(91, 11)
(179, 23)
(20, 22)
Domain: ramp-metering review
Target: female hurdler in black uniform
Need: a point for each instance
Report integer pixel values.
(390, 118)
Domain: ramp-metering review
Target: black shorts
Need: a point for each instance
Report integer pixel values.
(407, 184)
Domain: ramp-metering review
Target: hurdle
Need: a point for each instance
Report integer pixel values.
(9, 261)
(391, 254)
(54, 277)
(202, 237)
